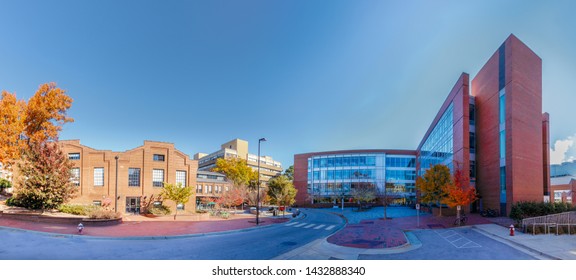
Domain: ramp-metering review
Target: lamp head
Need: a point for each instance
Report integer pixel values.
(262, 140)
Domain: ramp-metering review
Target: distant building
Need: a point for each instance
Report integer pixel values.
(142, 172)
(562, 188)
(563, 169)
(210, 186)
(238, 148)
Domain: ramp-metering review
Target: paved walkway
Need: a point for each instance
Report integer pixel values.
(141, 226)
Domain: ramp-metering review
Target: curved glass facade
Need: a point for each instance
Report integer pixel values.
(334, 176)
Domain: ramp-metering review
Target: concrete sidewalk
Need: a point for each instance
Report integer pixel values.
(541, 246)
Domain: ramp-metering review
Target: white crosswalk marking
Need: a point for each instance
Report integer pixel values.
(309, 225)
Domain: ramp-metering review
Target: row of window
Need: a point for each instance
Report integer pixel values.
(155, 157)
(211, 189)
(134, 178)
(343, 161)
(343, 174)
(344, 189)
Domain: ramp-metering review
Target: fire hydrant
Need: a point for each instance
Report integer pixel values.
(80, 228)
(511, 230)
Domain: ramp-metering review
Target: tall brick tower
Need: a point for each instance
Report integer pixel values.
(509, 127)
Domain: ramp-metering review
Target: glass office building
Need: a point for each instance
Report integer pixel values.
(333, 176)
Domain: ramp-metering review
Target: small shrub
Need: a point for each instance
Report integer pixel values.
(160, 210)
(76, 209)
(13, 201)
(224, 214)
(101, 214)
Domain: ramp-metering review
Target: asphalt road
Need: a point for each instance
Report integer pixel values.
(256, 244)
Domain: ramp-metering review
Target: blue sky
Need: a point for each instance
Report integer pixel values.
(307, 75)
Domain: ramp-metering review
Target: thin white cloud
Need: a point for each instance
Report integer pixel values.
(561, 151)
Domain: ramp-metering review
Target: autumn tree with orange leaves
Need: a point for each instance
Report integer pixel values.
(39, 120)
(459, 192)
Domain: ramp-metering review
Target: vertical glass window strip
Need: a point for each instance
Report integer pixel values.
(98, 176)
(503, 184)
(503, 144)
(134, 177)
(75, 176)
(502, 113)
(472, 142)
(158, 177)
(181, 177)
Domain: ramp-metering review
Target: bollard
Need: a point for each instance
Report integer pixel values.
(80, 228)
(511, 230)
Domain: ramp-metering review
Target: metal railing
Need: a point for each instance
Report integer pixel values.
(551, 221)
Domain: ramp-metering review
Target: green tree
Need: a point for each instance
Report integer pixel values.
(177, 193)
(289, 173)
(4, 184)
(433, 184)
(363, 193)
(236, 170)
(44, 181)
(240, 174)
(281, 191)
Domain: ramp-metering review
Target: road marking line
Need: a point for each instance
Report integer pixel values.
(291, 224)
(302, 224)
(320, 226)
(310, 225)
(329, 228)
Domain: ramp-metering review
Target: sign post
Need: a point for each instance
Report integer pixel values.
(417, 214)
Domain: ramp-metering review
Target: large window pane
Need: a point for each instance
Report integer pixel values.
(99, 176)
(158, 177)
(134, 177)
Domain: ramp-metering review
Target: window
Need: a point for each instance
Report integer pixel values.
(74, 156)
(75, 176)
(158, 157)
(180, 206)
(181, 177)
(134, 177)
(99, 176)
(97, 202)
(208, 189)
(198, 188)
(158, 177)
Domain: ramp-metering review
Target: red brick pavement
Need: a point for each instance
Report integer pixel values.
(389, 233)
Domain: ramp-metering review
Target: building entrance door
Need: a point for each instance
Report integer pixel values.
(133, 204)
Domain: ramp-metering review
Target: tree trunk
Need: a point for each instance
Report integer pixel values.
(175, 211)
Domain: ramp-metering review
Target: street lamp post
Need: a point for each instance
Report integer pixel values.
(258, 189)
(116, 187)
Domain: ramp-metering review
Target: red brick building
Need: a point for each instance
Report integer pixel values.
(141, 174)
(492, 129)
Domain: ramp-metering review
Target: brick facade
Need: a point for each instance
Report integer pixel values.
(143, 158)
